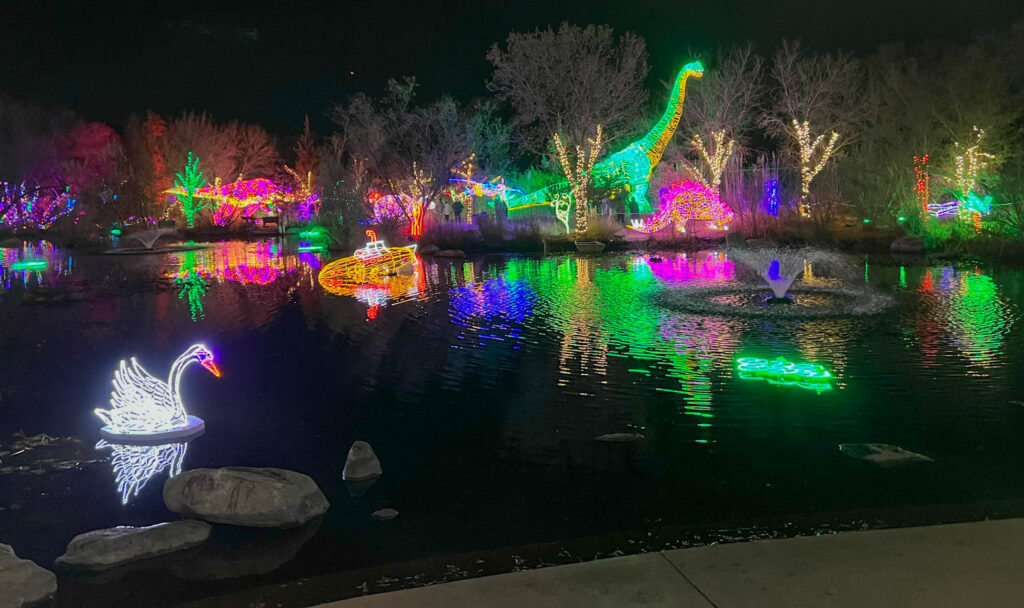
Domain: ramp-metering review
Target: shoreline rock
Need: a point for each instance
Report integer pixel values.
(361, 464)
(112, 547)
(22, 581)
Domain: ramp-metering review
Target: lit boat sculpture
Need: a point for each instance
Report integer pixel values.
(148, 410)
(369, 264)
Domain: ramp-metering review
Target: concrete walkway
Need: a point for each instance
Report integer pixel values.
(975, 565)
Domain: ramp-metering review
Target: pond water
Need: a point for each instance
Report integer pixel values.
(482, 384)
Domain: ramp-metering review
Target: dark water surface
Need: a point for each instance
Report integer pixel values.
(482, 385)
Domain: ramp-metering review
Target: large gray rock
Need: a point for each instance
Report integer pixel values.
(22, 582)
(111, 547)
(907, 244)
(245, 496)
(361, 463)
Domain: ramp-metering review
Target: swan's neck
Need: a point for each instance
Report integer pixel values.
(174, 381)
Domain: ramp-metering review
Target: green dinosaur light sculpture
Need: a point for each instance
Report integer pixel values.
(629, 168)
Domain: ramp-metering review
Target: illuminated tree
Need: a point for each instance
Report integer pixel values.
(813, 158)
(969, 164)
(578, 177)
(189, 183)
(823, 90)
(922, 188)
(714, 159)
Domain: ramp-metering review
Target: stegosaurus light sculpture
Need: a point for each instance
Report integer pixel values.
(687, 201)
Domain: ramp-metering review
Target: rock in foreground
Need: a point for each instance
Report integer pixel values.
(882, 454)
(384, 514)
(619, 437)
(361, 463)
(111, 547)
(245, 496)
(22, 582)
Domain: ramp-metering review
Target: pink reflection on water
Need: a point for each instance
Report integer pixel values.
(709, 267)
(241, 262)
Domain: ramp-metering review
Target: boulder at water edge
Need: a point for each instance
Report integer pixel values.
(110, 547)
(22, 582)
(907, 244)
(246, 496)
(361, 463)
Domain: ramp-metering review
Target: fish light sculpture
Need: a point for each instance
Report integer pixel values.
(145, 409)
(779, 371)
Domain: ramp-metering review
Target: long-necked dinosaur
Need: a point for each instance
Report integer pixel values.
(629, 168)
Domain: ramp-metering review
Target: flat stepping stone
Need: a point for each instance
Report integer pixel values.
(112, 547)
(881, 454)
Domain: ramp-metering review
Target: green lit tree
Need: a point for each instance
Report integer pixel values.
(188, 185)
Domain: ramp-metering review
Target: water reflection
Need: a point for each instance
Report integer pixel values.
(248, 263)
(32, 263)
(967, 306)
(382, 291)
(704, 266)
(135, 465)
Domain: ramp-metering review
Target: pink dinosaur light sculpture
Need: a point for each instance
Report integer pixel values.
(683, 202)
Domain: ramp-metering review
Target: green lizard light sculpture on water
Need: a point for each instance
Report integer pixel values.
(630, 168)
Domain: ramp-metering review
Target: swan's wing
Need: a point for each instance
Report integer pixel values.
(139, 401)
(136, 388)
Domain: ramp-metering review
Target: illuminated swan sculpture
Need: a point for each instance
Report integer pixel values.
(147, 409)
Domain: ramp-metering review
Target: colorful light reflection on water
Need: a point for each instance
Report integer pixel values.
(257, 263)
(33, 263)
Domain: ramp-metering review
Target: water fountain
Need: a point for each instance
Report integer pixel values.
(148, 238)
(831, 289)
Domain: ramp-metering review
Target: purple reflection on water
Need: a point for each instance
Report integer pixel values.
(700, 267)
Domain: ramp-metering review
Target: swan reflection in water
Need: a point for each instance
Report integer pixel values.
(135, 465)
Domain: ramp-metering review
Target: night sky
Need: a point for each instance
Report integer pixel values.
(273, 62)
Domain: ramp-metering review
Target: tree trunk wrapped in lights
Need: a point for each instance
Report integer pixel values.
(715, 158)
(809, 168)
(969, 165)
(579, 178)
(922, 188)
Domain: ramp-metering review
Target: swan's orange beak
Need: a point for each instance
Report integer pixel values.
(210, 365)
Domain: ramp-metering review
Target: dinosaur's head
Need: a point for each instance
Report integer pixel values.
(694, 68)
(203, 355)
